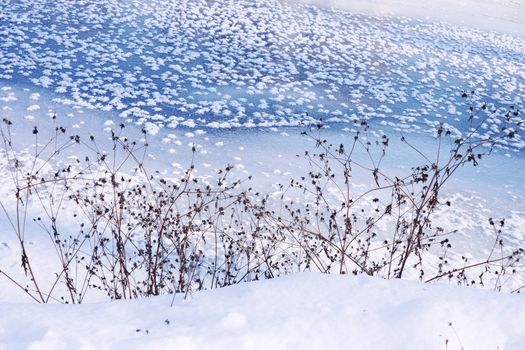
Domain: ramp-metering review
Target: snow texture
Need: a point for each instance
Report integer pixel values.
(503, 16)
(305, 311)
(245, 64)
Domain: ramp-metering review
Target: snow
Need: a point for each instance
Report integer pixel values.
(502, 16)
(302, 311)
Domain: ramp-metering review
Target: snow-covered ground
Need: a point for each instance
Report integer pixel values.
(306, 311)
(502, 16)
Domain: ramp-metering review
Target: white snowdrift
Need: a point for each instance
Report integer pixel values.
(304, 311)
(503, 16)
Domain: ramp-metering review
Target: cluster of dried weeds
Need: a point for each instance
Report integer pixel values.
(142, 234)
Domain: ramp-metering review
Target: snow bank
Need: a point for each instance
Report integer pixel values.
(304, 311)
(504, 16)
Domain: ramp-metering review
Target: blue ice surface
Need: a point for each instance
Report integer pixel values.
(247, 64)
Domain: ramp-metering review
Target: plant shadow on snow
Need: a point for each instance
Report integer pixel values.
(120, 230)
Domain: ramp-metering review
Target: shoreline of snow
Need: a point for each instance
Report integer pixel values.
(306, 311)
(500, 16)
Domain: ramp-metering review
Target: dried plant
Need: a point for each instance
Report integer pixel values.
(140, 233)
